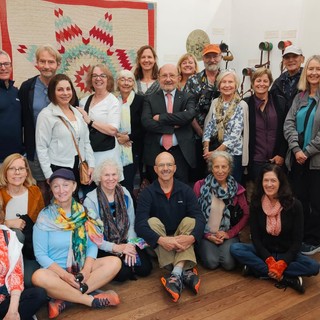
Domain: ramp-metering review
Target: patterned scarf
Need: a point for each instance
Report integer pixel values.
(222, 118)
(273, 215)
(81, 225)
(125, 126)
(211, 191)
(116, 225)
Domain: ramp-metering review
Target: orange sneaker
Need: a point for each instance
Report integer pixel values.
(55, 307)
(173, 285)
(191, 279)
(105, 299)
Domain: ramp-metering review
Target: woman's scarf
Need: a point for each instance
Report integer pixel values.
(214, 202)
(81, 225)
(222, 118)
(272, 212)
(116, 225)
(125, 126)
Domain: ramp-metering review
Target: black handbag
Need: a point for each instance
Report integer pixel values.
(236, 213)
(27, 249)
(98, 140)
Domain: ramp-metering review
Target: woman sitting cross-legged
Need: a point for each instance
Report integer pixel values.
(115, 207)
(66, 243)
(220, 198)
(276, 222)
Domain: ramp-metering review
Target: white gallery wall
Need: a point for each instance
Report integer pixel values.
(242, 24)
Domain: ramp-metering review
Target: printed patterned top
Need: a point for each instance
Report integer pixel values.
(232, 138)
(15, 279)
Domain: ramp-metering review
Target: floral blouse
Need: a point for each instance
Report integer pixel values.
(15, 279)
(232, 132)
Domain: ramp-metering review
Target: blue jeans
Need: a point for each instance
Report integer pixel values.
(246, 254)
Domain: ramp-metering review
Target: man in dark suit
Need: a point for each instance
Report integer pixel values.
(167, 116)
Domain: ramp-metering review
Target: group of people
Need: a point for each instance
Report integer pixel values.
(176, 128)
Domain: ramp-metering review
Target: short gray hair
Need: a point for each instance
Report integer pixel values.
(126, 74)
(106, 163)
(4, 53)
(224, 73)
(216, 154)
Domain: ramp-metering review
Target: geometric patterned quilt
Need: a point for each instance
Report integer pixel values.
(85, 32)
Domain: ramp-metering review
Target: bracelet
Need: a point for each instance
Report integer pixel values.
(90, 123)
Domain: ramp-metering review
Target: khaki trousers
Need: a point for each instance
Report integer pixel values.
(165, 257)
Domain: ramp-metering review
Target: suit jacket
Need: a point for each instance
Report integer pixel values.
(26, 93)
(178, 122)
(137, 131)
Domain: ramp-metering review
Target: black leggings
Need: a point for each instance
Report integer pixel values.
(31, 300)
(129, 273)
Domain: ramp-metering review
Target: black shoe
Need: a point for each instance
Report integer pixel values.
(295, 283)
(191, 279)
(173, 285)
(246, 271)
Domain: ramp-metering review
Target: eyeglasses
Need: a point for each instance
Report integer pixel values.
(124, 80)
(20, 170)
(162, 165)
(5, 64)
(170, 76)
(102, 76)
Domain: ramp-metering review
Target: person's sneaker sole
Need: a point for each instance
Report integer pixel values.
(174, 295)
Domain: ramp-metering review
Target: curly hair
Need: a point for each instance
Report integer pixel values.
(284, 195)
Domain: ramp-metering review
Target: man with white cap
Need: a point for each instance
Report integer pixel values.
(202, 86)
(286, 84)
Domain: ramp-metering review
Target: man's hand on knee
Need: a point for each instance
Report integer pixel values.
(170, 244)
(185, 241)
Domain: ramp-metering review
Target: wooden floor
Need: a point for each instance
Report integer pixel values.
(223, 295)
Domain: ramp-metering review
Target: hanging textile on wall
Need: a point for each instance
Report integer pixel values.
(85, 32)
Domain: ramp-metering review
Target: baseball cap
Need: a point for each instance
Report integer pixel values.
(292, 49)
(211, 48)
(66, 174)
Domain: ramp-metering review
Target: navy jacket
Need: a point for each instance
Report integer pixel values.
(10, 121)
(153, 202)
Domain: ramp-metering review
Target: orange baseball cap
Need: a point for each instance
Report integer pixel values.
(211, 48)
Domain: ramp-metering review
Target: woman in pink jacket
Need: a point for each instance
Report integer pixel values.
(224, 206)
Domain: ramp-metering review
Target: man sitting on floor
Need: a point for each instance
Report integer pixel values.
(169, 219)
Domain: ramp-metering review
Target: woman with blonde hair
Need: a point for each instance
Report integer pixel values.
(187, 66)
(22, 202)
(302, 131)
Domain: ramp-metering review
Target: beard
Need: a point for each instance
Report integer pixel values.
(211, 67)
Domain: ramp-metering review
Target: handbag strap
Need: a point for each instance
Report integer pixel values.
(5, 234)
(313, 103)
(73, 138)
(87, 105)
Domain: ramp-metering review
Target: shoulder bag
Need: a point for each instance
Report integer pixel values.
(83, 166)
(99, 141)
